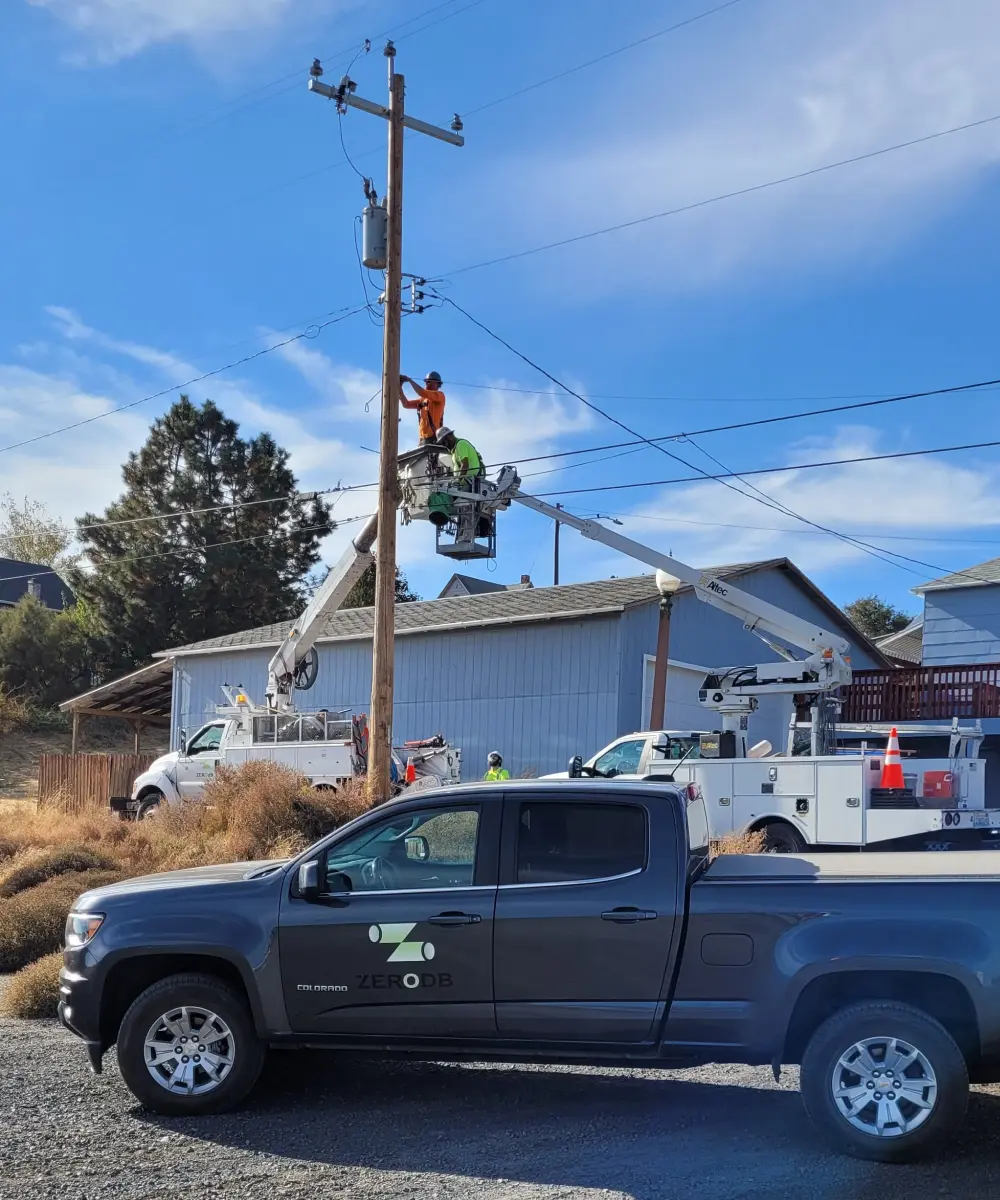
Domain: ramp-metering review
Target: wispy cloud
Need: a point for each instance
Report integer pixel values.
(792, 88)
(114, 29)
(921, 498)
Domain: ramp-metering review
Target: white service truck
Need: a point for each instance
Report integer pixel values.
(817, 800)
(326, 747)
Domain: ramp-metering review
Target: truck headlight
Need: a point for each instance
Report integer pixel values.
(81, 928)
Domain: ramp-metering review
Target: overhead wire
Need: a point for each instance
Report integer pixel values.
(731, 195)
(726, 478)
(124, 559)
(318, 327)
(590, 62)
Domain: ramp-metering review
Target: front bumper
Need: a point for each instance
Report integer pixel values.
(79, 1010)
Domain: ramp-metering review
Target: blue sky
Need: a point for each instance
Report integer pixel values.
(176, 200)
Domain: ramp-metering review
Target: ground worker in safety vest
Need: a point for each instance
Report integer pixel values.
(495, 770)
(429, 405)
(465, 460)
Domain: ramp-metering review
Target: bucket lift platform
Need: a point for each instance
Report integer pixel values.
(463, 512)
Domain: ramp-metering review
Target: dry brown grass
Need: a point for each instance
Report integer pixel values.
(32, 923)
(257, 811)
(24, 872)
(15, 713)
(738, 843)
(33, 992)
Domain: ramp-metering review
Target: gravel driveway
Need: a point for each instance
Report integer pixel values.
(318, 1127)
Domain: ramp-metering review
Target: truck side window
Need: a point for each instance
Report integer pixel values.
(557, 843)
(434, 848)
(622, 759)
(206, 741)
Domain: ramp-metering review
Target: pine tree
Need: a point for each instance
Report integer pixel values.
(362, 595)
(154, 584)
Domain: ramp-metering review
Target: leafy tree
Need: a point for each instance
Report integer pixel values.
(238, 556)
(876, 617)
(29, 533)
(362, 595)
(43, 654)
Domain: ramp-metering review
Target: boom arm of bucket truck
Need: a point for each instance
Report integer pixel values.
(824, 668)
(294, 663)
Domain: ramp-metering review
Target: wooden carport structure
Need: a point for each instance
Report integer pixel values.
(141, 698)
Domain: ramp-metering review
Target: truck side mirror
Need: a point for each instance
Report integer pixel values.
(576, 767)
(418, 848)
(308, 881)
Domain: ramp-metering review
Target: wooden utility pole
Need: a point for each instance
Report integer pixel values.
(383, 646)
(383, 642)
(659, 705)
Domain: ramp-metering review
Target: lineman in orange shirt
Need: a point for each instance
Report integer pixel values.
(429, 404)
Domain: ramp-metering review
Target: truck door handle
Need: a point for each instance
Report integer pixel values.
(455, 918)
(625, 916)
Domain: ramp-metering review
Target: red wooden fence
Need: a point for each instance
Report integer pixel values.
(923, 694)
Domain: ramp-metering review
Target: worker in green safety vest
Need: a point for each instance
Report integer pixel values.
(495, 770)
(465, 459)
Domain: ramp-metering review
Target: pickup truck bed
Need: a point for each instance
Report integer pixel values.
(556, 922)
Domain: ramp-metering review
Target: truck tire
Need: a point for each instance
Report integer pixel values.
(849, 1057)
(782, 838)
(148, 804)
(220, 1066)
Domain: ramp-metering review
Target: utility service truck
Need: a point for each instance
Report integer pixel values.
(817, 794)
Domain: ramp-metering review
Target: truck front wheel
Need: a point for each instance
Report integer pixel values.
(148, 803)
(188, 1046)
(885, 1082)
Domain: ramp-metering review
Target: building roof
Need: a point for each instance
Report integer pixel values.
(144, 693)
(981, 575)
(907, 644)
(471, 586)
(15, 576)
(519, 606)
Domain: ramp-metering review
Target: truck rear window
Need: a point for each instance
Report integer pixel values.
(562, 842)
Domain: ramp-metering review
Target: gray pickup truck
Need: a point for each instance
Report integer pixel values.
(559, 923)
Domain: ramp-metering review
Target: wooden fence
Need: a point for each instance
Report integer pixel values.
(923, 694)
(76, 783)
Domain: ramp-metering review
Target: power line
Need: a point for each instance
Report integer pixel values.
(724, 478)
(602, 57)
(493, 387)
(816, 412)
(808, 466)
(188, 383)
(745, 191)
(194, 549)
(889, 537)
(292, 79)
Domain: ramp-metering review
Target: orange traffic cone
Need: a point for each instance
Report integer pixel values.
(411, 771)
(892, 767)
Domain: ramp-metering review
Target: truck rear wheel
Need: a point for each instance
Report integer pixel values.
(188, 1046)
(885, 1082)
(782, 838)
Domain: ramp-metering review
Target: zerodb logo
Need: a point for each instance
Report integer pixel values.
(405, 950)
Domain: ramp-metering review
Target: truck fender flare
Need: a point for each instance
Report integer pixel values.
(161, 782)
(220, 952)
(903, 958)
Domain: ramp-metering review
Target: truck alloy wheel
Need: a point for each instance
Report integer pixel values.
(884, 1081)
(189, 1050)
(188, 1045)
(884, 1086)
